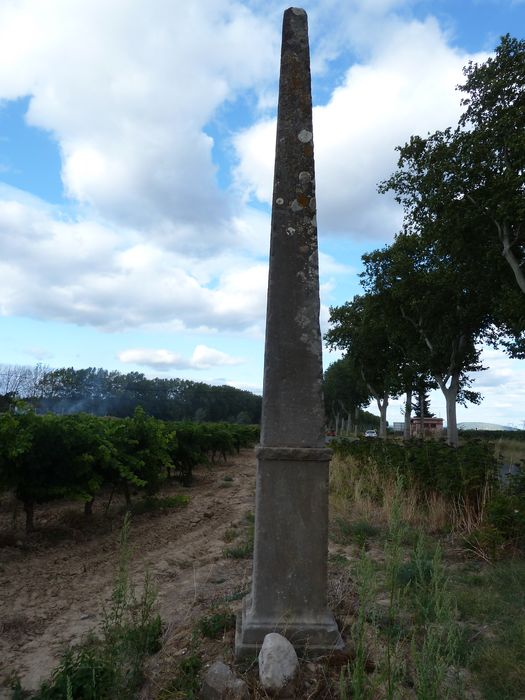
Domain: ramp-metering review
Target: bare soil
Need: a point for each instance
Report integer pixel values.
(56, 581)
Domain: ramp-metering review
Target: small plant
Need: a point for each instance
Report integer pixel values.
(242, 551)
(357, 532)
(110, 665)
(186, 684)
(436, 639)
(338, 559)
(230, 534)
(359, 681)
(245, 549)
(154, 503)
(215, 625)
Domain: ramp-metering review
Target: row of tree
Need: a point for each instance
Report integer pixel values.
(454, 277)
(102, 392)
(48, 457)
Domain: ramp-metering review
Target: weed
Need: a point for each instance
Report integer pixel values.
(245, 549)
(110, 665)
(155, 503)
(491, 600)
(217, 624)
(364, 576)
(242, 551)
(338, 559)
(357, 532)
(436, 638)
(232, 597)
(230, 534)
(186, 684)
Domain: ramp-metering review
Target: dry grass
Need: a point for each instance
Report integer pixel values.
(509, 451)
(358, 495)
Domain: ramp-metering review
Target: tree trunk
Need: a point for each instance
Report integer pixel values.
(88, 507)
(451, 394)
(356, 421)
(422, 414)
(382, 406)
(408, 411)
(127, 494)
(29, 508)
(509, 256)
(452, 423)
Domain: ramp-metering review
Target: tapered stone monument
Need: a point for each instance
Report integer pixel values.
(291, 514)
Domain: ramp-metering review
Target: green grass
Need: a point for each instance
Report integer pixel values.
(187, 681)
(491, 601)
(214, 626)
(109, 665)
(359, 532)
(156, 503)
(243, 550)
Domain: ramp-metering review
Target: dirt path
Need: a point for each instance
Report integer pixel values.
(53, 592)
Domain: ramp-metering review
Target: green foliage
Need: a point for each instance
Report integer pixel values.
(187, 682)
(216, 624)
(463, 188)
(50, 456)
(491, 601)
(154, 503)
(110, 666)
(104, 393)
(244, 550)
(359, 532)
(432, 465)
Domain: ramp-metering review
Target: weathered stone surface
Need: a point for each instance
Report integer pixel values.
(293, 412)
(278, 663)
(221, 684)
(291, 512)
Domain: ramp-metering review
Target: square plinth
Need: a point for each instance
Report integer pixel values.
(290, 554)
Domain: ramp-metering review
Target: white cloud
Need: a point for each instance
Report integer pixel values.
(203, 357)
(502, 386)
(86, 272)
(406, 87)
(127, 90)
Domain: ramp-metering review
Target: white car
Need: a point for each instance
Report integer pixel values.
(370, 433)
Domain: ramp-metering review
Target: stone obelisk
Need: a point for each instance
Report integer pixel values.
(291, 514)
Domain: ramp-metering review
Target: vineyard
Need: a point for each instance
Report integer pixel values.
(49, 457)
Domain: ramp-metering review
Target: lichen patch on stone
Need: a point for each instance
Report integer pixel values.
(304, 136)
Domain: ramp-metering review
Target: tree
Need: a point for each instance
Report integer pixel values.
(359, 329)
(345, 392)
(493, 146)
(48, 457)
(421, 406)
(467, 184)
(437, 298)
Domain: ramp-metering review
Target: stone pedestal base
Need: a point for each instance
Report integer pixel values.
(290, 554)
(310, 638)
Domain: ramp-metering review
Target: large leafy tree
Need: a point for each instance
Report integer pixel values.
(467, 184)
(438, 299)
(345, 392)
(359, 328)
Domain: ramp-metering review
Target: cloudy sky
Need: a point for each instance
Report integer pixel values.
(136, 158)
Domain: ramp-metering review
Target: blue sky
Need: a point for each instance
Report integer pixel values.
(136, 159)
